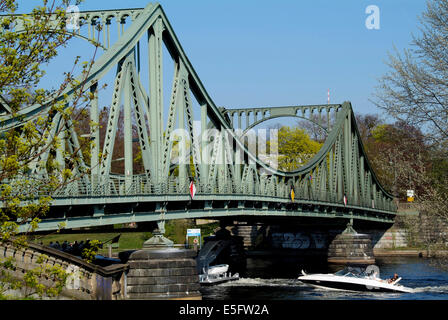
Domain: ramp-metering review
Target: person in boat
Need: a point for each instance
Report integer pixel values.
(393, 279)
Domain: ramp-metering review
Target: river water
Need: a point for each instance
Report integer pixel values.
(267, 280)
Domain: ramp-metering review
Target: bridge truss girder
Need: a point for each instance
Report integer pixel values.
(221, 164)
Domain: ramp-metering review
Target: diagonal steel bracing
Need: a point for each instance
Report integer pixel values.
(230, 174)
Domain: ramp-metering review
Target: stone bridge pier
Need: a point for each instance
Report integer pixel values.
(337, 244)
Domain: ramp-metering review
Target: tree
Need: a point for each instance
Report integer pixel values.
(26, 198)
(415, 90)
(399, 155)
(403, 159)
(313, 129)
(295, 148)
(366, 124)
(117, 164)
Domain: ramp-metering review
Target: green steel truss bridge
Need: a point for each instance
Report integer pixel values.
(231, 178)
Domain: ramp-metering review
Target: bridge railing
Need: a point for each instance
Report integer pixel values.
(140, 185)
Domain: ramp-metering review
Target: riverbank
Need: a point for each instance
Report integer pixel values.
(409, 253)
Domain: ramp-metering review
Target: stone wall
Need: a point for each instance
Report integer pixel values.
(249, 233)
(86, 281)
(391, 239)
(412, 230)
(430, 229)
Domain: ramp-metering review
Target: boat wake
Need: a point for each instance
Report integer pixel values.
(433, 289)
(261, 282)
(258, 282)
(293, 289)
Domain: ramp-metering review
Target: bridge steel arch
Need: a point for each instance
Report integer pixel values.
(263, 114)
(231, 180)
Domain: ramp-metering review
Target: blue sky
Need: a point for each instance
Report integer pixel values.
(274, 53)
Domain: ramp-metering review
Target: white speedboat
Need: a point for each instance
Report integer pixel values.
(217, 274)
(352, 279)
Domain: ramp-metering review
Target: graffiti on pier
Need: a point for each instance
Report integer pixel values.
(299, 240)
